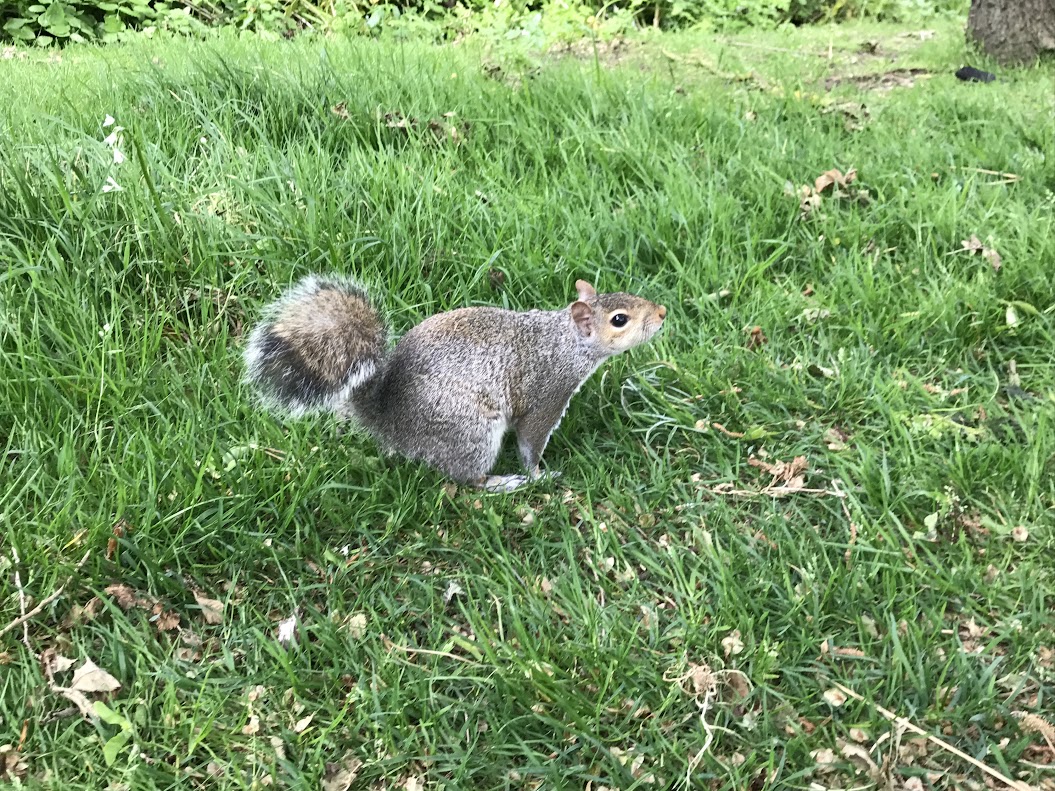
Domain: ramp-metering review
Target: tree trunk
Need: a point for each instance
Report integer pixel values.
(1013, 31)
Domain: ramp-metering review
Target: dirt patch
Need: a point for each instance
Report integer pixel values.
(607, 52)
(882, 82)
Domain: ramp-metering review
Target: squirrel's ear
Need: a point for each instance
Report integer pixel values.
(582, 315)
(585, 289)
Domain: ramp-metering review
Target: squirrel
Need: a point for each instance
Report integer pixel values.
(452, 386)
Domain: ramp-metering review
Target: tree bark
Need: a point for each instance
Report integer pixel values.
(1013, 31)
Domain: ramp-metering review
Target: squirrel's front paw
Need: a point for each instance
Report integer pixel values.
(504, 483)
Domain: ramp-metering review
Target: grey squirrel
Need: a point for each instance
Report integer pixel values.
(454, 384)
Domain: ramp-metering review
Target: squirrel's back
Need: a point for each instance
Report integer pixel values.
(317, 344)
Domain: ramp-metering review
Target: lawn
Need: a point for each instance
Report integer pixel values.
(826, 490)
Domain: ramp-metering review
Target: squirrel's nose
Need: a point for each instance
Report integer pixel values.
(661, 312)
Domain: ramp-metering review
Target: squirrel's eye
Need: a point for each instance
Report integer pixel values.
(620, 320)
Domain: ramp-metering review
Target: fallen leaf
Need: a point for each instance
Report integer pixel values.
(122, 594)
(756, 338)
(339, 777)
(167, 621)
(858, 755)
(782, 471)
(413, 784)
(836, 438)
(834, 697)
(1020, 534)
(858, 735)
(975, 245)
(1011, 316)
(301, 725)
(11, 764)
(252, 727)
(732, 644)
(833, 177)
(823, 757)
(913, 784)
(60, 664)
(211, 609)
(737, 684)
(453, 589)
(89, 677)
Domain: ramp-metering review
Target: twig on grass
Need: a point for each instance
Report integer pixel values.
(414, 651)
(944, 745)
(1005, 178)
(800, 53)
(853, 525)
(26, 616)
(727, 432)
(21, 601)
(699, 62)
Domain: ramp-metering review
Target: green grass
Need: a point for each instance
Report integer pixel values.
(121, 321)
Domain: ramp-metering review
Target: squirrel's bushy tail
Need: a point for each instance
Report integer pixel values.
(316, 345)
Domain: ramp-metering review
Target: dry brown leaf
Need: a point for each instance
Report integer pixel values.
(737, 684)
(834, 697)
(834, 177)
(339, 777)
(913, 784)
(124, 595)
(11, 764)
(857, 755)
(211, 609)
(60, 664)
(302, 724)
(975, 245)
(782, 471)
(823, 757)
(167, 620)
(756, 339)
(252, 728)
(836, 438)
(89, 677)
